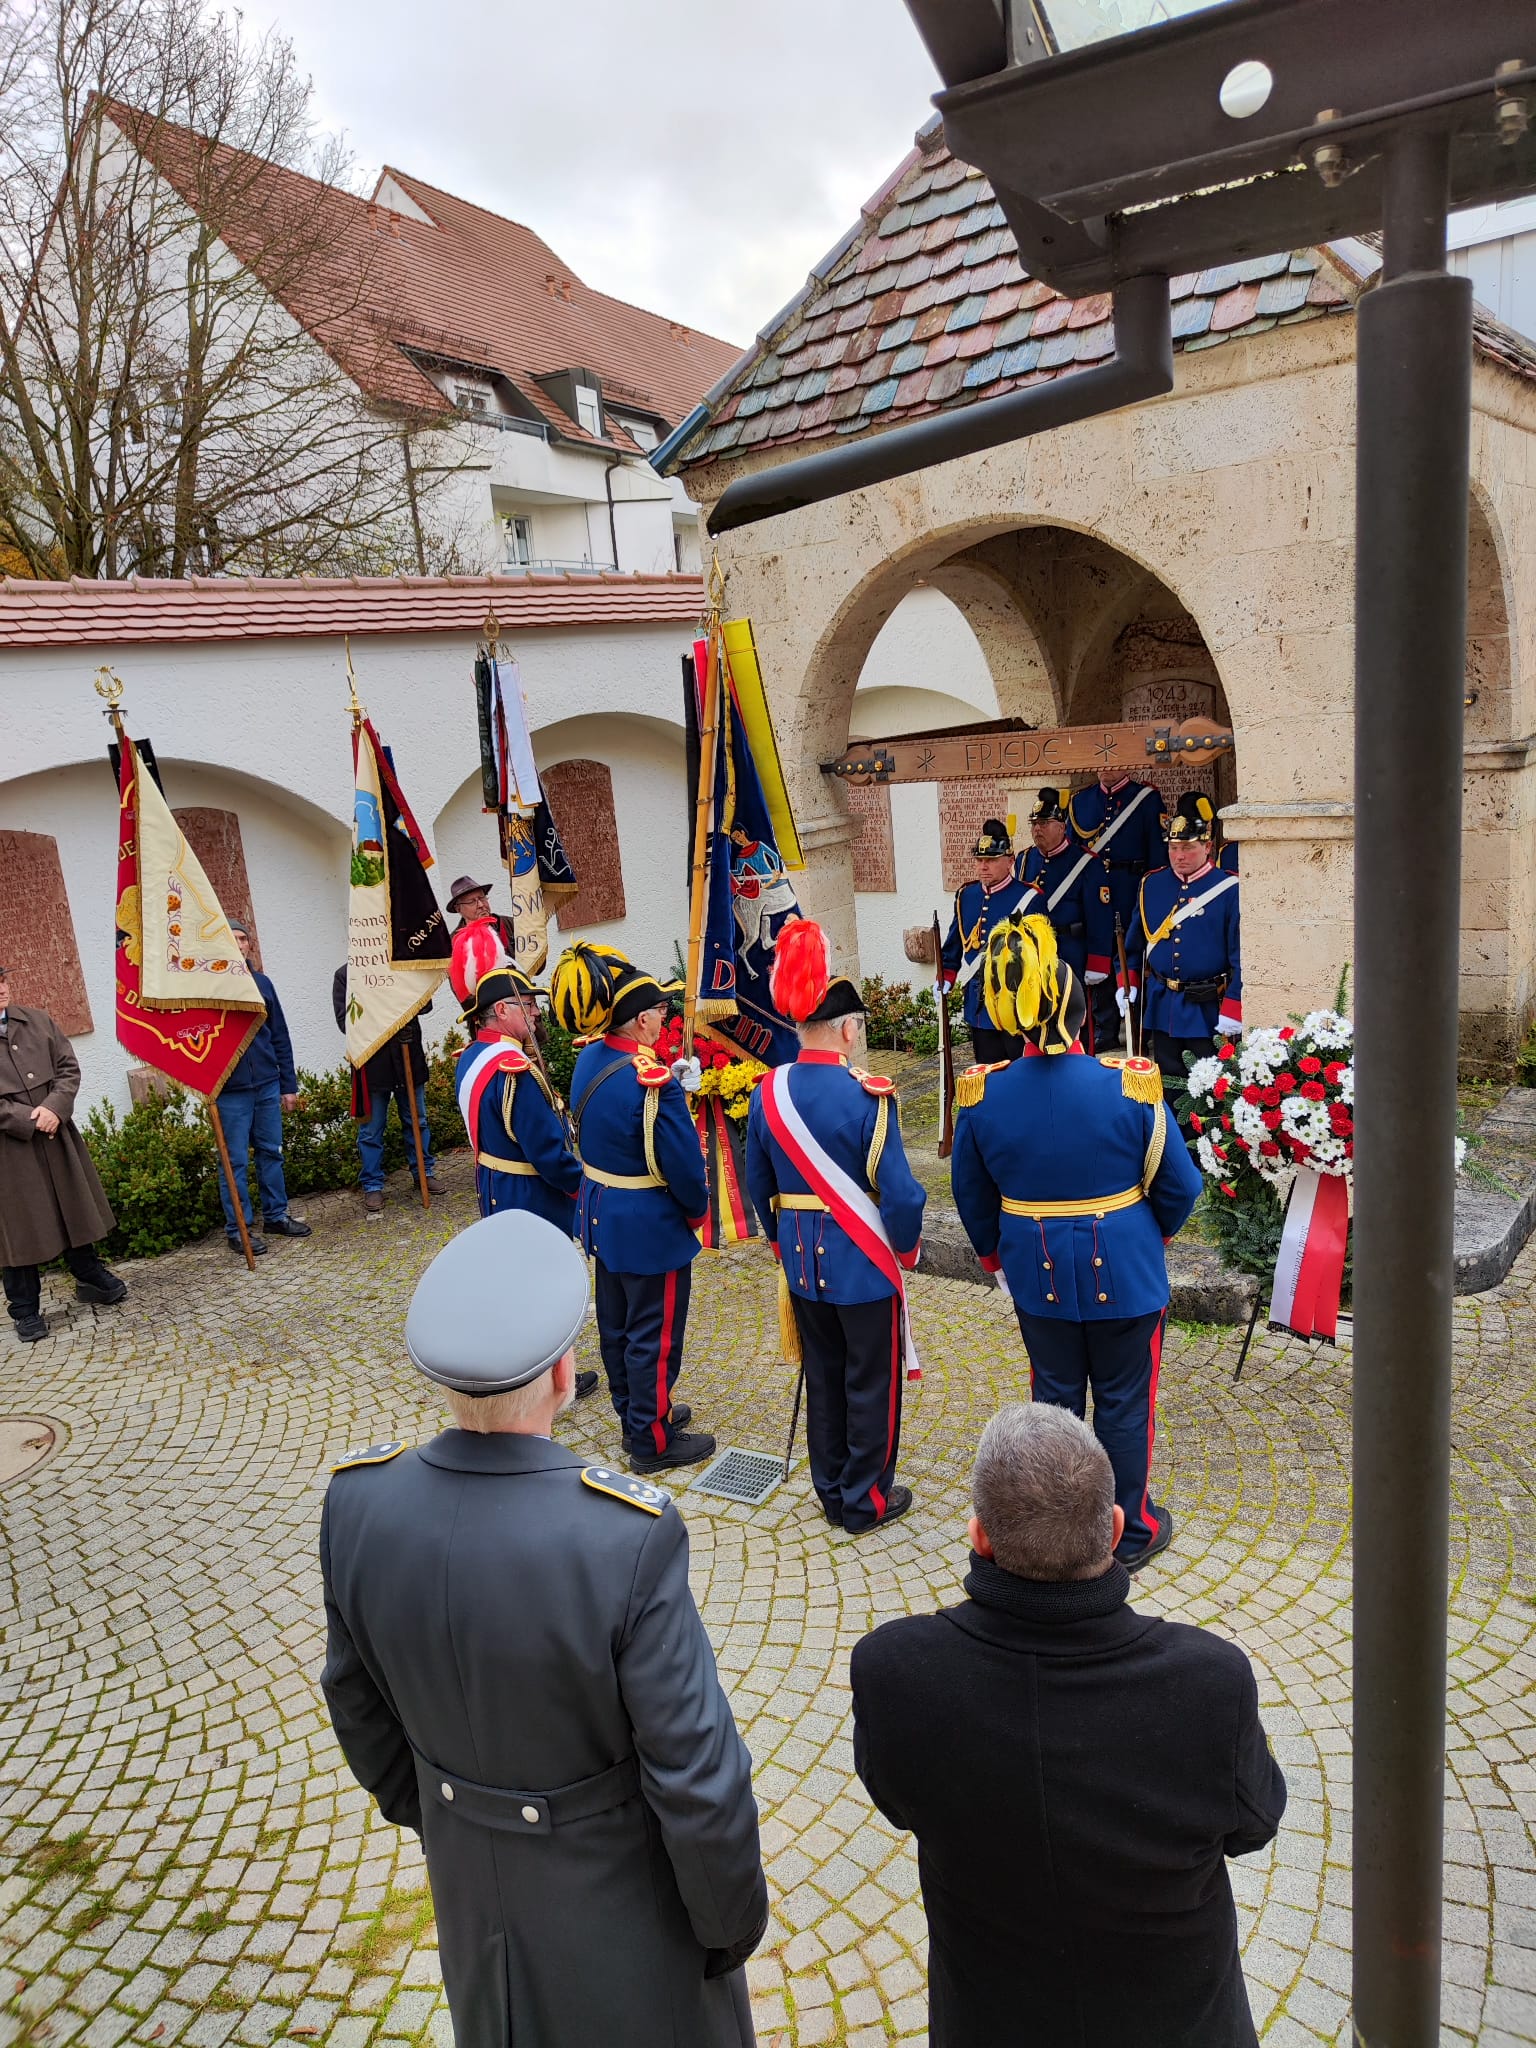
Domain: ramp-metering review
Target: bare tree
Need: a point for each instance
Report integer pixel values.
(179, 312)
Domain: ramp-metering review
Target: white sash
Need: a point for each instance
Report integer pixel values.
(1101, 839)
(1197, 904)
(1062, 887)
(474, 1081)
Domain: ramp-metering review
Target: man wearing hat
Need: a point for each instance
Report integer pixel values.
(1123, 821)
(515, 1669)
(471, 902)
(1075, 894)
(644, 1196)
(843, 1214)
(1069, 1177)
(997, 892)
(1185, 945)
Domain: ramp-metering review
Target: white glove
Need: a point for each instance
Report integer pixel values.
(1228, 1026)
(1093, 980)
(1002, 1283)
(1123, 1000)
(689, 1074)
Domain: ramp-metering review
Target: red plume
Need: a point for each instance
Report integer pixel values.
(477, 948)
(802, 968)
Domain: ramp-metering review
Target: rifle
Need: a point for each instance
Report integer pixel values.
(946, 1049)
(1132, 1016)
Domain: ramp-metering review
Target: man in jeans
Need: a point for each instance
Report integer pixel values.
(251, 1106)
(373, 1085)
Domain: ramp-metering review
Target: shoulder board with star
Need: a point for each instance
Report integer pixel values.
(651, 1073)
(971, 1085)
(375, 1454)
(873, 1084)
(1140, 1079)
(635, 1493)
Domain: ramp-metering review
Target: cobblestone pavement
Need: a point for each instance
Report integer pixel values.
(184, 1859)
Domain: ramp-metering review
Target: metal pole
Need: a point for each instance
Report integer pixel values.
(1414, 371)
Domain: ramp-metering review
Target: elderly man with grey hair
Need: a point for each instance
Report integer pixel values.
(1076, 1773)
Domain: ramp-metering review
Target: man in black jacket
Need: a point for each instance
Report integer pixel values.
(374, 1084)
(1076, 1773)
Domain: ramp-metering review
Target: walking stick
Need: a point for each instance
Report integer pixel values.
(421, 1157)
(794, 1420)
(229, 1182)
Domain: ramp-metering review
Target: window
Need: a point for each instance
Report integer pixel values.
(472, 397)
(589, 411)
(643, 434)
(519, 541)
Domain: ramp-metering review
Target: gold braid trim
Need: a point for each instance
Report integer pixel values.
(1155, 1146)
(508, 1094)
(789, 1329)
(1140, 1079)
(877, 1144)
(971, 1085)
(648, 1125)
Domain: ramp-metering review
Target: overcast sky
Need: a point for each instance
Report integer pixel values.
(694, 156)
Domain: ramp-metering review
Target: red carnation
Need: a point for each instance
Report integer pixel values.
(1270, 1097)
(1223, 1086)
(1287, 1031)
(1253, 1093)
(1300, 1151)
(1314, 1091)
(1228, 1051)
(1333, 1073)
(1309, 1063)
(1271, 1119)
(1228, 1189)
(1226, 1123)
(1270, 1149)
(1284, 1083)
(1195, 1124)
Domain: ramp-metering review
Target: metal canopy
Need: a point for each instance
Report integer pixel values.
(1172, 182)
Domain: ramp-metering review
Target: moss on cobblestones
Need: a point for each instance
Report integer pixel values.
(184, 1858)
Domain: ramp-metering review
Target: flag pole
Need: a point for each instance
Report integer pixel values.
(709, 723)
(410, 1096)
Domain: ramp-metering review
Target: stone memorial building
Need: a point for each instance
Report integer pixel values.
(1190, 554)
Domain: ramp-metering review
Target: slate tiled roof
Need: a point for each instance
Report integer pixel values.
(464, 285)
(926, 306)
(83, 613)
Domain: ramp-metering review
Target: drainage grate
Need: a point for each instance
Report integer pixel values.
(748, 1476)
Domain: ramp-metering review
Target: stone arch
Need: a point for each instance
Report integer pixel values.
(1498, 955)
(1022, 674)
(1490, 640)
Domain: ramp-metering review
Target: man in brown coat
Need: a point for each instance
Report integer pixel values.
(51, 1201)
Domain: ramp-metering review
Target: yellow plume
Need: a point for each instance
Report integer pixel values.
(1020, 981)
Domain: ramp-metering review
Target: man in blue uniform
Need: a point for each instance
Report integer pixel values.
(1069, 1177)
(1074, 884)
(644, 1195)
(1123, 822)
(516, 1671)
(1185, 946)
(981, 906)
(838, 1203)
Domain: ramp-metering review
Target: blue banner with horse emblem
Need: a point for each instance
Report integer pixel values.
(749, 896)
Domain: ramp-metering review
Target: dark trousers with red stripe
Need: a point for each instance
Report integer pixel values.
(1119, 1360)
(853, 1367)
(640, 1322)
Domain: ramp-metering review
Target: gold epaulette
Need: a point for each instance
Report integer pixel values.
(620, 1486)
(514, 1060)
(971, 1085)
(376, 1454)
(873, 1084)
(1140, 1079)
(650, 1073)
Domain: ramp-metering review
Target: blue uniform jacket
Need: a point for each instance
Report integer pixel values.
(1083, 919)
(1059, 1127)
(1137, 844)
(268, 1059)
(978, 913)
(516, 1121)
(637, 1230)
(842, 1110)
(1202, 948)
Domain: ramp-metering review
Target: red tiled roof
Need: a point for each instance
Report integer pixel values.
(926, 306)
(82, 613)
(466, 285)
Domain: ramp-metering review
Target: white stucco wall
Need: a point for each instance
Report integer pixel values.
(924, 670)
(261, 728)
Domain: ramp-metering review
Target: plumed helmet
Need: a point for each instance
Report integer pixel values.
(1029, 991)
(477, 949)
(1049, 803)
(1194, 817)
(583, 986)
(992, 840)
(803, 987)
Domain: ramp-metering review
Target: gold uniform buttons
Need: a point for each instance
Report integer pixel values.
(1103, 1297)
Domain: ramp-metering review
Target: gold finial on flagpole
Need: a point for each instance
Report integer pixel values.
(109, 687)
(355, 707)
(716, 585)
(491, 628)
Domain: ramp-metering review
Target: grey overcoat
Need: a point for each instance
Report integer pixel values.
(516, 1669)
(50, 1197)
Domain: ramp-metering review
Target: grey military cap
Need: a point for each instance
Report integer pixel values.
(498, 1306)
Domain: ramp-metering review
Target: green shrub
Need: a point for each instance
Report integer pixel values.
(159, 1164)
(896, 1020)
